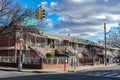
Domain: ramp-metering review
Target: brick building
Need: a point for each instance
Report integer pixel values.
(37, 43)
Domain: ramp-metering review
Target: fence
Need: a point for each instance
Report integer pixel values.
(8, 59)
(56, 63)
(55, 60)
(29, 60)
(36, 62)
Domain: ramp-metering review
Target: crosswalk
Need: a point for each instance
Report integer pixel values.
(102, 74)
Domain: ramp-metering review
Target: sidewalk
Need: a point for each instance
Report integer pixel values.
(57, 70)
(81, 68)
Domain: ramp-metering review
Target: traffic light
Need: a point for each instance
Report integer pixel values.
(37, 14)
(42, 14)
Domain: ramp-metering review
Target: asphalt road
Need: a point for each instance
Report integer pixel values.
(107, 73)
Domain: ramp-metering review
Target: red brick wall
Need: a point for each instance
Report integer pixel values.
(3, 53)
(7, 39)
(48, 66)
(6, 53)
(4, 40)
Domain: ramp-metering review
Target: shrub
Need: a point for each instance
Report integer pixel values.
(50, 55)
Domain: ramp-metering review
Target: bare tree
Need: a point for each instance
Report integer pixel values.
(11, 13)
(114, 38)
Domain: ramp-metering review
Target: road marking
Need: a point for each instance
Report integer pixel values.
(111, 74)
(1, 74)
(117, 76)
(104, 74)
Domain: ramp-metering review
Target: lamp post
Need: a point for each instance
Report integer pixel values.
(105, 58)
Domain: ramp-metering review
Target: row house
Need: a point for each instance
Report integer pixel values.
(37, 43)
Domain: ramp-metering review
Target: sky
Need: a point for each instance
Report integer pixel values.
(79, 18)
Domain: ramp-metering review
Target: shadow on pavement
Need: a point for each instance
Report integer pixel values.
(64, 76)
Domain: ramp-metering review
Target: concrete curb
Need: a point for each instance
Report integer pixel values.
(32, 70)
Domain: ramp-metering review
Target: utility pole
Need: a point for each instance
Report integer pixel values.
(105, 57)
(20, 53)
(74, 56)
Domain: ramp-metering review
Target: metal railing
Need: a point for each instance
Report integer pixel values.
(9, 59)
(36, 60)
(30, 60)
(55, 60)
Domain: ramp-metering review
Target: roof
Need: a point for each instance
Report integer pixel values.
(39, 33)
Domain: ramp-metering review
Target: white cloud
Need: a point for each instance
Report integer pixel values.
(44, 3)
(64, 19)
(26, 6)
(108, 26)
(106, 0)
(49, 23)
(99, 16)
(114, 17)
(94, 13)
(77, 1)
(53, 4)
(66, 29)
(81, 1)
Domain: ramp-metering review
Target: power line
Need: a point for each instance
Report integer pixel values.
(58, 11)
(63, 13)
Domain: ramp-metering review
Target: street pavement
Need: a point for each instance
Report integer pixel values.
(110, 71)
(99, 73)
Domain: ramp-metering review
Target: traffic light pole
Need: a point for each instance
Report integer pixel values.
(20, 53)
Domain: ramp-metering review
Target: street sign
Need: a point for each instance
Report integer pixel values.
(21, 40)
(30, 22)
